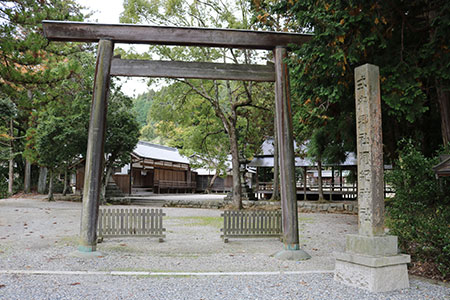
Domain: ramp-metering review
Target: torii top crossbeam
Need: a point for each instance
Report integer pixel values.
(108, 34)
(164, 35)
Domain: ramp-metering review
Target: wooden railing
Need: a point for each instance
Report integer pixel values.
(130, 222)
(174, 185)
(268, 186)
(245, 224)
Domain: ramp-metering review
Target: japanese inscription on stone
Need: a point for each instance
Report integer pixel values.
(369, 150)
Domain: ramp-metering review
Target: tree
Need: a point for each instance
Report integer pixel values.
(30, 67)
(141, 106)
(7, 113)
(408, 42)
(228, 99)
(188, 122)
(419, 211)
(122, 134)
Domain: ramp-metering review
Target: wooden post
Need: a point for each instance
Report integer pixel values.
(286, 150)
(332, 183)
(94, 155)
(276, 164)
(130, 181)
(305, 172)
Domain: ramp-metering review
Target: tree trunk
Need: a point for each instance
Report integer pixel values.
(444, 108)
(319, 169)
(237, 198)
(42, 182)
(50, 186)
(211, 183)
(65, 182)
(276, 165)
(11, 159)
(443, 94)
(27, 180)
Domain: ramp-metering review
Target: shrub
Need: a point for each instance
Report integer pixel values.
(419, 212)
(3, 188)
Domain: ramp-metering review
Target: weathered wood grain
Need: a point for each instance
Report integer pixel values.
(94, 154)
(286, 149)
(131, 222)
(163, 35)
(197, 70)
(247, 224)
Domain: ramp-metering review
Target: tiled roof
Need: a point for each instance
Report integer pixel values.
(159, 152)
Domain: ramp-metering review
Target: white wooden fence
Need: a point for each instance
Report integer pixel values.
(120, 222)
(244, 224)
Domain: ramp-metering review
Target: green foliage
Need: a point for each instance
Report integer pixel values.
(32, 69)
(205, 118)
(141, 106)
(3, 188)
(58, 130)
(408, 41)
(122, 130)
(419, 212)
(7, 113)
(188, 122)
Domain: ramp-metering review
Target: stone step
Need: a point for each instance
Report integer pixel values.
(112, 190)
(147, 202)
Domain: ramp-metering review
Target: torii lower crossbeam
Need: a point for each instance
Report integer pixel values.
(108, 34)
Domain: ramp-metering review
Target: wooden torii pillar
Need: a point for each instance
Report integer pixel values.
(95, 148)
(289, 210)
(108, 34)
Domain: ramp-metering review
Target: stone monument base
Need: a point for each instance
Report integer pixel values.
(372, 263)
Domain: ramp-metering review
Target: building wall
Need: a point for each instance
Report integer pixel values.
(170, 175)
(143, 178)
(123, 182)
(220, 184)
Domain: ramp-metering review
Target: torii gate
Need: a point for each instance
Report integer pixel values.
(108, 34)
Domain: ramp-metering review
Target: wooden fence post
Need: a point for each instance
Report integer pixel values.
(94, 155)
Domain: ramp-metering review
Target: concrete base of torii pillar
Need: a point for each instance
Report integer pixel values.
(372, 263)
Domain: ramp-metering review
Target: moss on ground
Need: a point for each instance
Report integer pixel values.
(199, 221)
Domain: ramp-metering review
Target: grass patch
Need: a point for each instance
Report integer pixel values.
(4, 249)
(215, 222)
(69, 241)
(308, 220)
(121, 248)
(179, 255)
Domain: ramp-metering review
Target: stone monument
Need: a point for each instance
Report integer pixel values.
(371, 260)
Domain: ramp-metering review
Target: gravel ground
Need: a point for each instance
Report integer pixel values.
(37, 235)
(311, 286)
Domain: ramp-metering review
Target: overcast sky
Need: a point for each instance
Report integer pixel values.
(108, 11)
